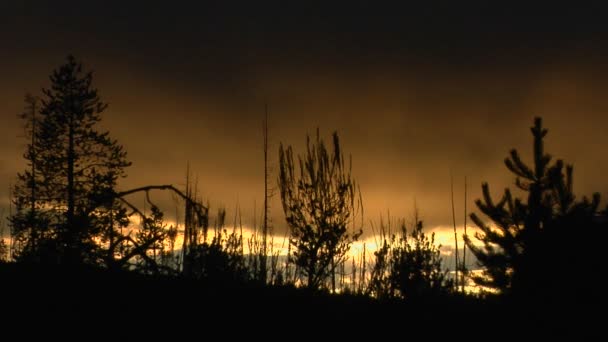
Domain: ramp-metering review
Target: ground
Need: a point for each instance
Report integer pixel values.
(66, 300)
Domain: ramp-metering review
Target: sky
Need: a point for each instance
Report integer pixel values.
(418, 93)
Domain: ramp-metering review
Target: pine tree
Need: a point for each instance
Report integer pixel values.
(67, 207)
(66, 203)
(25, 231)
(319, 203)
(520, 243)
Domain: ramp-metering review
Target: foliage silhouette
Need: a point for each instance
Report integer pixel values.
(319, 203)
(67, 207)
(408, 264)
(65, 202)
(221, 258)
(519, 250)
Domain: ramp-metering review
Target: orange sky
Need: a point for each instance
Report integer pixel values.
(412, 103)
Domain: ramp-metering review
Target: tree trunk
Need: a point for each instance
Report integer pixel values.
(70, 228)
(264, 252)
(34, 232)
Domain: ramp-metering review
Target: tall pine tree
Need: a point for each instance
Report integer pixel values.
(25, 230)
(65, 201)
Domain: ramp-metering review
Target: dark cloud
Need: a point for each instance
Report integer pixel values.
(417, 92)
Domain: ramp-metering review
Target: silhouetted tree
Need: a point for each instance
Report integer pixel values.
(408, 265)
(523, 246)
(416, 264)
(74, 169)
(153, 231)
(266, 228)
(319, 202)
(148, 251)
(67, 207)
(25, 231)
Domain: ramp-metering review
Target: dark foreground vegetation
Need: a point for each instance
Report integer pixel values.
(76, 259)
(131, 303)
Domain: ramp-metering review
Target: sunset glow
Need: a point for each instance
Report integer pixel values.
(301, 169)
